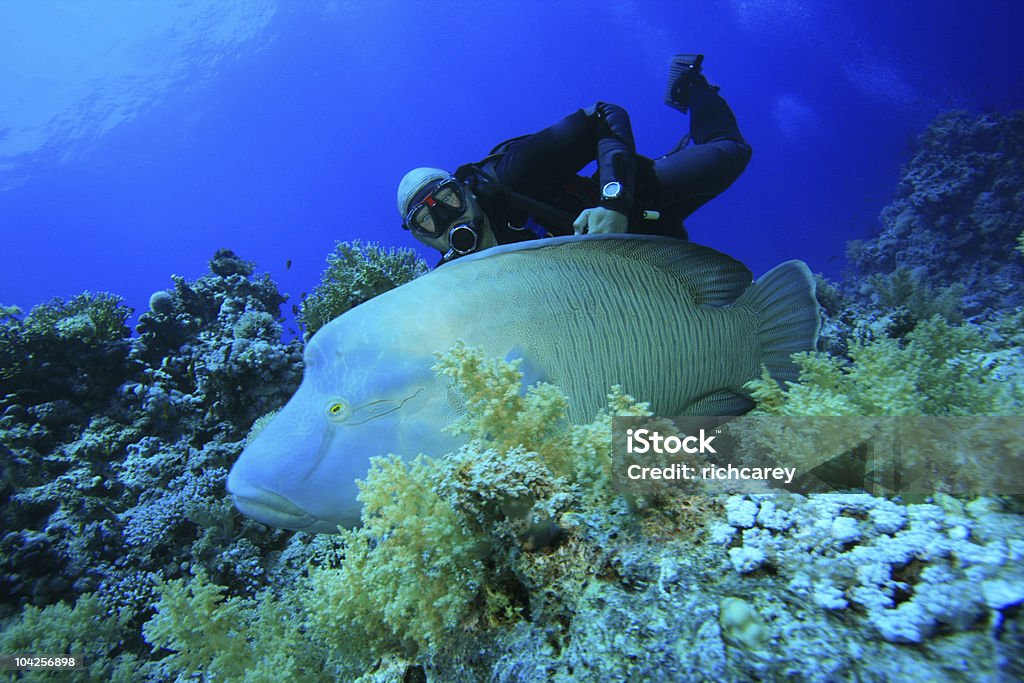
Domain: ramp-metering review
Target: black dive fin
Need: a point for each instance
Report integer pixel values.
(681, 73)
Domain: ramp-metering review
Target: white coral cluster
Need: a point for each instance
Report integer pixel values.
(910, 569)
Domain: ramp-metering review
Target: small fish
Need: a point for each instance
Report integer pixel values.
(672, 322)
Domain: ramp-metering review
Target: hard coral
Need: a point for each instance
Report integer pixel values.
(161, 302)
(225, 262)
(910, 570)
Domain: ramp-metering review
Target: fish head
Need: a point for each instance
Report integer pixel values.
(361, 396)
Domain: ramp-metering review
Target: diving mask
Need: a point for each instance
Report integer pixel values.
(436, 207)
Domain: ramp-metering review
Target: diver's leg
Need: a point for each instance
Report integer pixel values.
(691, 176)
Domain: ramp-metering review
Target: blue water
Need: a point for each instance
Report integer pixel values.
(136, 138)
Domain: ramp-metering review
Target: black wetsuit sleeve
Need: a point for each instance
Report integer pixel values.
(538, 164)
(616, 153)
(548, 156)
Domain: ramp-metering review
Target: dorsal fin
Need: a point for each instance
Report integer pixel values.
(711, 277)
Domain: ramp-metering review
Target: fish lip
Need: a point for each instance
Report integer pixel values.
(268, 507)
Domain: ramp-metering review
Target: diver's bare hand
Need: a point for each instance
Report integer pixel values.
(600, 221)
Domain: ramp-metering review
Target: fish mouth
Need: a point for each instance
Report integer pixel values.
(269, 507)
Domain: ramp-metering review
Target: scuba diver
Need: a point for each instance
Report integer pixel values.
(529, 187)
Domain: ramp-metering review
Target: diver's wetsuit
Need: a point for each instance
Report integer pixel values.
(543, 167)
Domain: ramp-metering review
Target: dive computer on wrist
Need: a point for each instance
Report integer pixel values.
(611, 191)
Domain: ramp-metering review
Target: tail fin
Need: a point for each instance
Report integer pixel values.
(790, 319)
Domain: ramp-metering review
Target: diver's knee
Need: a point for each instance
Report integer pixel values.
(734, 153)
(743, 153)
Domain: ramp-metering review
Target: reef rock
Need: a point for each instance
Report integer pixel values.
(958, 213)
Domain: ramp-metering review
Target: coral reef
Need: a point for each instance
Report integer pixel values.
(90, 629)
(72, 350)
(441, 581)
(115, 450)
(515, 558)
(957, 214)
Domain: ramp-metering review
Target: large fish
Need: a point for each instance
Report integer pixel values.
(672, 322)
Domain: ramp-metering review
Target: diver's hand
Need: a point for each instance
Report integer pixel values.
(600, 221)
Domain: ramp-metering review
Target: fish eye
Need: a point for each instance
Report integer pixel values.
(338, 410)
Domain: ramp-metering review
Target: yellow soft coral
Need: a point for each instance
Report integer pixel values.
(232, 638)
(410, 573)
(89, 628)
(941, 369)
(496, 408)
(502, 416)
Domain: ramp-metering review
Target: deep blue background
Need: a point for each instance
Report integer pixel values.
(136, 138)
